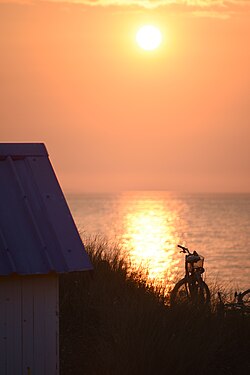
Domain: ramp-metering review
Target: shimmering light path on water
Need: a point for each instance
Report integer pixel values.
(149, 225)
(149, 234)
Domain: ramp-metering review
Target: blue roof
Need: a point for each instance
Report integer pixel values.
(37, 231)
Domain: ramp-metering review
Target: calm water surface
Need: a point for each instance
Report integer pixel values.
(149, 225)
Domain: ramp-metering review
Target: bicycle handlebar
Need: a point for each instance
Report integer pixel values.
(185, 249)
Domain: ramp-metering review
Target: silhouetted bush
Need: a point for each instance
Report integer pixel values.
(113, 323)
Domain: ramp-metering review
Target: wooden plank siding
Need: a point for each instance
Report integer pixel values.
(13, 326)
(29, 325)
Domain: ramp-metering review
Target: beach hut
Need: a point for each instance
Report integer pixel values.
(38, 241)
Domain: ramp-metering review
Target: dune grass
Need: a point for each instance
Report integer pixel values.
(112, 322)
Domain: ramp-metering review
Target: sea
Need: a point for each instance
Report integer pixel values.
(148, 225)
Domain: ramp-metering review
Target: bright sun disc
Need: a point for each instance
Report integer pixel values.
(149, 37)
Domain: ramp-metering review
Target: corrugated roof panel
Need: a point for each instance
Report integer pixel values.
(37, 231)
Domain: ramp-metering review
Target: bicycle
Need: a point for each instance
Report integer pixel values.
(192, 289)
(240, 304)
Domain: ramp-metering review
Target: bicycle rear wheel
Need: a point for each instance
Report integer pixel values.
(245, 297)
(185, 292)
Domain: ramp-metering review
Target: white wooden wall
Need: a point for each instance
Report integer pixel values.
(29, 325)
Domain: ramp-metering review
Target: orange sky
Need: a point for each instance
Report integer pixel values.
(116, 118)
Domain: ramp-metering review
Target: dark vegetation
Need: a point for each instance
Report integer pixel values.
(114, 323)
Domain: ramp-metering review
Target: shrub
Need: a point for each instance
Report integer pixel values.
(114, 322)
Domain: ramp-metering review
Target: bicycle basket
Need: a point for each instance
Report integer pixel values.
(194, 265)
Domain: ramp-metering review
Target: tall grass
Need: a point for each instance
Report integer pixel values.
(112, 322)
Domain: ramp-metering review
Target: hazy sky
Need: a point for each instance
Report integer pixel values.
(115, 117)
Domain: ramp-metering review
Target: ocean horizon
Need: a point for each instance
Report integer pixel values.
(148, 226)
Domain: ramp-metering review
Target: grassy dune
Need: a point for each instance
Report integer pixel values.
(114, 323)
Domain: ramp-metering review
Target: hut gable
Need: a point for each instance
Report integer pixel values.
(37, 232)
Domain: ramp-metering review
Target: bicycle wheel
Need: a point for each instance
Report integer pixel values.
(245, 297)
(181, 293)
(200, 293)
(186, 292)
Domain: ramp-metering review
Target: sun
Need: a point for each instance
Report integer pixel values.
(149, 37)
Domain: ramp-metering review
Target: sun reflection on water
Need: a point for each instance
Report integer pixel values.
(149, 225)
(149, 237)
